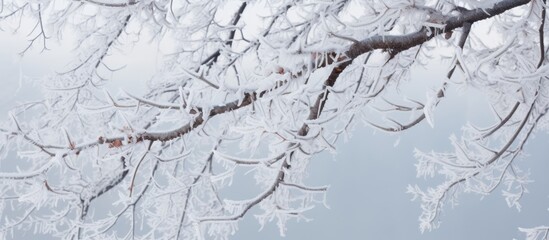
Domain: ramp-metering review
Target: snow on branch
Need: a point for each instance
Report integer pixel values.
(252, 89)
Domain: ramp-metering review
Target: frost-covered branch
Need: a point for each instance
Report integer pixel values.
(252, 86)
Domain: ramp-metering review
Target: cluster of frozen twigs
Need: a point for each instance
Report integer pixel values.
(258, 87)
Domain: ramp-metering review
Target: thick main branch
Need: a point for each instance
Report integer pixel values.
(391, 43)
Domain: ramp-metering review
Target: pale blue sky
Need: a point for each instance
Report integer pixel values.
(368, 176)
(368, 181)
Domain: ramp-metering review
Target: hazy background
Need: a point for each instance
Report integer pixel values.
(369, 175)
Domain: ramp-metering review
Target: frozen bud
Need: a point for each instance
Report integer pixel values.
(280, 70)
(448, 35)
